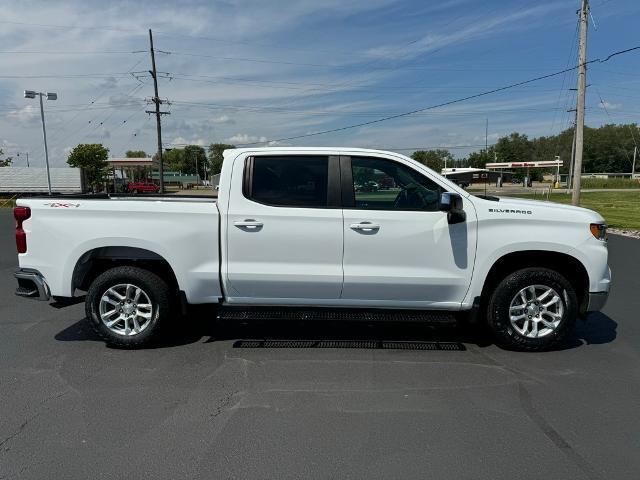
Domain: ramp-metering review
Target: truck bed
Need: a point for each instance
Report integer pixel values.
(182, 230)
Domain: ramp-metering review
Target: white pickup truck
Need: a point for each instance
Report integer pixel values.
(318, 233)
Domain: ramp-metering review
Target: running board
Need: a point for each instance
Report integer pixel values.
(335, 314)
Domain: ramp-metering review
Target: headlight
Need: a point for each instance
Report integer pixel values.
(599, 230)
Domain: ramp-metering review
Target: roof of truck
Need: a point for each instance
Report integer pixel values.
(305, 149)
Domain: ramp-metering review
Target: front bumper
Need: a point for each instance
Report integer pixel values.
(31, 284)
(597, 301)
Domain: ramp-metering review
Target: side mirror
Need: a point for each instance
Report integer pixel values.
(452, 204)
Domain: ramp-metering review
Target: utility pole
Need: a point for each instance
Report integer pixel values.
(582, 74)
(633, 166)
(571, 160)
(27, 153)
(486, 135)
(158, 113)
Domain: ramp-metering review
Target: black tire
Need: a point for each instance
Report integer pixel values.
(155, 288)
(498, 310)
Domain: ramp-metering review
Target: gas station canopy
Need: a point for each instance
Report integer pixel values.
(542, 164)
(130, 162)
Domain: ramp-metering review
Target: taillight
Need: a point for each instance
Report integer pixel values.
(21, 214)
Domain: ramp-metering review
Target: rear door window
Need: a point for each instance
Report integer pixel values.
(289, 181)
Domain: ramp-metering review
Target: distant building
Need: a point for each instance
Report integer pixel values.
(177, 178)
(469, 176)
(34, 180)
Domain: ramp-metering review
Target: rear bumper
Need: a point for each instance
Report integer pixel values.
(31, 284)
(597, 301)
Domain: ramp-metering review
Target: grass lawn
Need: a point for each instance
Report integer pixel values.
(7, 202)
(620, 209)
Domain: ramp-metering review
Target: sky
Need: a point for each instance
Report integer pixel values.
(247, 71)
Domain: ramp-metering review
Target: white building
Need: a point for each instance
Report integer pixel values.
(34, 180)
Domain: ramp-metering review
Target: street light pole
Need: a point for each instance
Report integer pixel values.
(50, 96)
(44, 136)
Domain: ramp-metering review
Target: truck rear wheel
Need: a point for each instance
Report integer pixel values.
(127, 306)
(532, 309)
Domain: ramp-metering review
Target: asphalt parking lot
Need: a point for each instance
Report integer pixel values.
(207, 405)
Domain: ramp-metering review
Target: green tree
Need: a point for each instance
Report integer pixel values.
(195, 157)
(608, 148)
(173, 160)
(136, 154)
(514, 148)
(481, 158)
(92, 159)
(215, 151)
(6, 162)
(434, 159)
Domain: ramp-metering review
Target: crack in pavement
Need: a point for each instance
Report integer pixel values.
(24, 424)
(543, 425)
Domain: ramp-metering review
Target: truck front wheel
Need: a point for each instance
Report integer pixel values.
(532, 309)
(127, 306)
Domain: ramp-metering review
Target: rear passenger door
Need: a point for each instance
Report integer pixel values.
(284, 230)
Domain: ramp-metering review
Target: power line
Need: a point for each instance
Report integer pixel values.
(252, 60)
(564, 77)
(443, 104)
(398, 149)
(71, 75)
(332, 86)
(260, 109)
(69, 52)
(604, 106)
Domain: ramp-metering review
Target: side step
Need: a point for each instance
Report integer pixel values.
(336, 314)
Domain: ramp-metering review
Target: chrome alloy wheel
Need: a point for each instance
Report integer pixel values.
(126, 309)
(536, 311)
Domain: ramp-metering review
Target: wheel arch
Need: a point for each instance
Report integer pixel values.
(97, 260)
(566, 265)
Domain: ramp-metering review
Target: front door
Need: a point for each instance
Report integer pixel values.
(399, 249)
(284, 230)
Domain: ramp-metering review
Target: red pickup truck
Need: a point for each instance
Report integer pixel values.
(143, 187)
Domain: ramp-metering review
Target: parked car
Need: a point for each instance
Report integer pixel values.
(269, 248)
(143, 187)
(370, 186)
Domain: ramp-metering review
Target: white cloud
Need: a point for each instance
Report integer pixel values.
(474, 30)
(609, 106)
(222, 119)
(275, 143)
(28, 114)
(192, 141)
(242, 138)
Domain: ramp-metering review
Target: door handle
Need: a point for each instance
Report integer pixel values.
(248, 223)
(365, 226)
